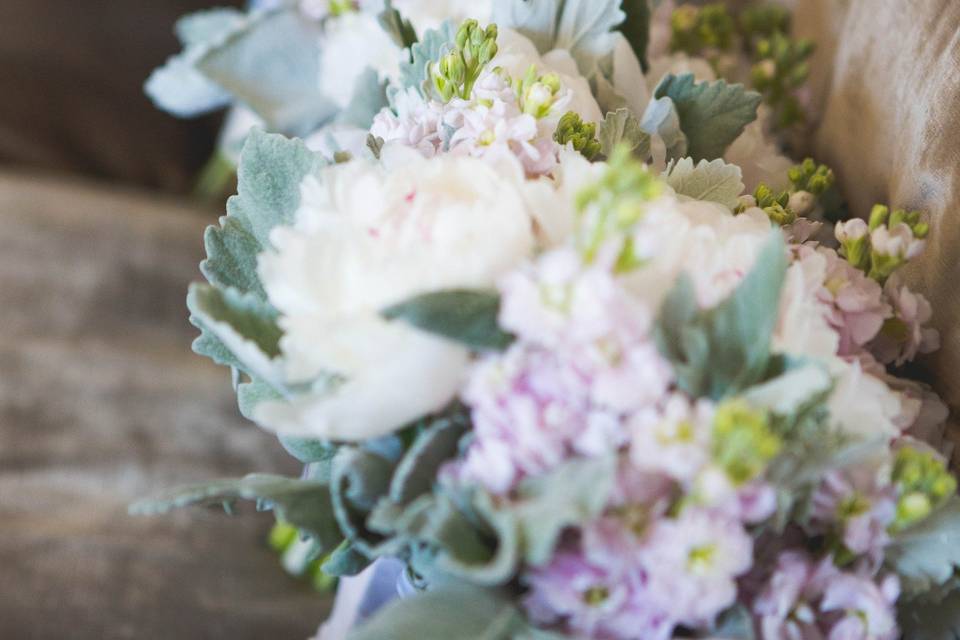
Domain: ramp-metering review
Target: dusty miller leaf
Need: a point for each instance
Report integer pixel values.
(724, 350)
(369, 98)
(712, 114)
(713, 181)
(465, 316)
(434, 44)
(622, 127)
(927, 555)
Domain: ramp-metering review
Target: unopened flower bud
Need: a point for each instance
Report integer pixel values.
(802, 203)
(924, 484)
(743, 442)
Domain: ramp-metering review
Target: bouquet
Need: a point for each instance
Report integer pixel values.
(550, 317)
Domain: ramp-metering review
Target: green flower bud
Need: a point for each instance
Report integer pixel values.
(809, 176)
(743, 442)
(879, 216)
(694, 30)
(780, 68)
(457, 72)
(582, 135)
(341, 7)
(924, 484)
(764, 20)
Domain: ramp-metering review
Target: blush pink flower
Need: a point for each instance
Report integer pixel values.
(906, 334)
(857, 308)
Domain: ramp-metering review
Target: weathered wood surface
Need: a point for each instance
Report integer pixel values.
(102, 402)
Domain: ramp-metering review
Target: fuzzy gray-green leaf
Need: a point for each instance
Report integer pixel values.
(466, 316)
(712, 114)
(622, 127)
(712, 181)
(927, 555)
(435, 43)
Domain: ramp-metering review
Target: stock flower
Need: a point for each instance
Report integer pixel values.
(862, 404)
(595, 599)
(858, 309)
(803, 328)
(673, 439)
(693, 563)
(787, 607)
(858, 504)
(417, 123)
(905, 335)
(866, 608)
(367, 236)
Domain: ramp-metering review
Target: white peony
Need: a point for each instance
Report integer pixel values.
(703, 239)
(352, 43)
(368, 236)
(802, 328)
(861, 404)
(430, 14)
(516, 53)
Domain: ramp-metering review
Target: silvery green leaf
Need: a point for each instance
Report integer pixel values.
(359, 479)
(435, 445)
(636, 28)
(206, 27)
(712, 114)
(724, 350)
(735, 623)
(535, 19)
(713, 181)
(661, 119)
(308, 450)
(303, 504)
(369, 98)
(178, 88)
(398, 27)
(273, 66)
(245, 325)
(346, 560)
(586, 29)
(925, 620)
(434, 44)
(790, 392)
(454, 612)
(466, 316)
(573, 494)
(271, 170)
(622, 128)
(928, 555)
(252, 393)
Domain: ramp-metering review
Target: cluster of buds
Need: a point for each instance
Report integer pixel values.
(743, 442)
(582, 135)
(811, 177)
(537, 94)
(458, 71)
(762, 21)
(611, 208)
(775, 205)
(924, 484)
(696, 30)
(886, 243)
(780, 69)
(341, 7)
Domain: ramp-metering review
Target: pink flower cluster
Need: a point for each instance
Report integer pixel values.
(491, 125)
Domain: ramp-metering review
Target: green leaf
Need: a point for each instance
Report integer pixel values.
(397, 27)
(360, 478)
(573, 494)
(302, 503)
(434, 44)
(924, 620)
(307, 450)
(636, 28)
(622, 127)
(455, 612)
(434, 446)
(346, 560)
(252, 393)
(712, 114)
(722, 351)
(272, 66)
(239, 330)
(792, 391)
(466, 316)
(735, 623)
(271, 170)
(369, 98)
(713, 181)
(927, 555)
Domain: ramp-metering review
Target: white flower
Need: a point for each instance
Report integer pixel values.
(674, 440)
(802, 329)
(366, 237)
(861, 404)
(898, 242)
(703, 239)
(353, 42)
(430, 14)
(758, 155)
(851, 230)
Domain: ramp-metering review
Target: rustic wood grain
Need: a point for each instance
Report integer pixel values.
(102, 402)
